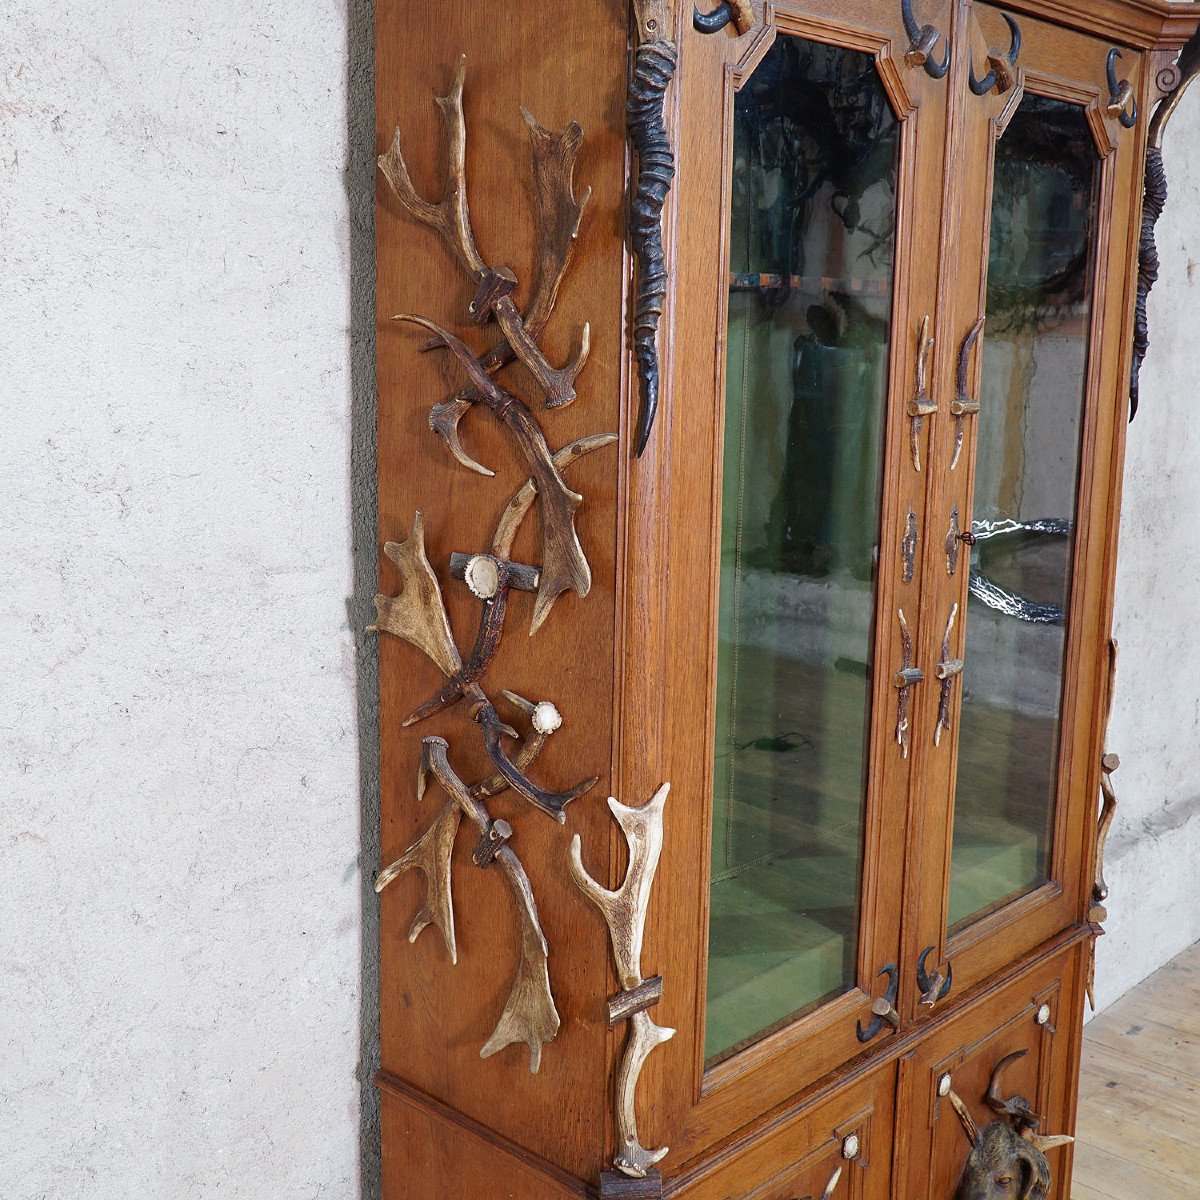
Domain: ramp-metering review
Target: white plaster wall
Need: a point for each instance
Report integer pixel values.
(1154, 852)
(181, 907)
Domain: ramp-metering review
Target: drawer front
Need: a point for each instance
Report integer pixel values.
(796, 1156)
(1037, 1016)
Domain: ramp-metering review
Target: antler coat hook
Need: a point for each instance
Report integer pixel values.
(740, 12)
(921, 42)
(1001, 67)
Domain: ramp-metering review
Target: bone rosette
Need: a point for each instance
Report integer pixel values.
(418, 614)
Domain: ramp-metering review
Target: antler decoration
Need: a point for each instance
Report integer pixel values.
(625, 913)
(653, 68)
(1009, 1145)
(1108, 810)
(564, 567)
(418, 614)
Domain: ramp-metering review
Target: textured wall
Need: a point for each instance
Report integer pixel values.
(186, 734)
(1154, 854)
(181, 901)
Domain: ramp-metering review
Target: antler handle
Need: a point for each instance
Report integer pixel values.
(624, 910)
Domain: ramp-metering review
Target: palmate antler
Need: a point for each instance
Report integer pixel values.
(529, 1016)
(564, 567)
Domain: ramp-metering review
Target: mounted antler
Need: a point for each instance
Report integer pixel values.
(451, 218)
(530, 1015)
(418, 615)
(564, 567)
(624, 912)
(1008, 1156)
(431, 854)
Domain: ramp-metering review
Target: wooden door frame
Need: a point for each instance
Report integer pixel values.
(1009, 933)
(666, 637)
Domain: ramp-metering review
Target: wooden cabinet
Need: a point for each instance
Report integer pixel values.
(819, 528)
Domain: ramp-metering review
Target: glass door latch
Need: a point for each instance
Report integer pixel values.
(883, 1009)
(904, 679)
(964, 405)
(947, 671)
(935, 987)
(921, 405)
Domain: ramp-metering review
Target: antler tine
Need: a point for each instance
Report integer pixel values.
(451, 216)
(444, 419)
(431, 855)
(970, 1128)
(559, 213)
(518, 507)
(831, 1186)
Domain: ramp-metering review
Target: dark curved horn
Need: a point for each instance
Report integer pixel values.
(981, 87)
(910, 22)
(1015, 52)
(938, 70)
(924, 982)
(1114, 84)
(1118, 90)
(716, 20)
(1016, 1108)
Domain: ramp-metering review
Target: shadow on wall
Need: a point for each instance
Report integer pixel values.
(360, 195)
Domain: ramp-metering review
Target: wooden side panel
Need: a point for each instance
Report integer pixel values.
(429, 1152)
(563, 63)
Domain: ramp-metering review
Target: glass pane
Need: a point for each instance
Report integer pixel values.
(811, 249)
(1030, 422)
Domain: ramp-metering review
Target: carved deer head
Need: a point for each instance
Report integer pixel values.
(1008, 1156)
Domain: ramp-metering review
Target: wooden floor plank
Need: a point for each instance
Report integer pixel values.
(1139, 1105)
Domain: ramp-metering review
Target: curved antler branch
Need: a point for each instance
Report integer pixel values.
(564, 567)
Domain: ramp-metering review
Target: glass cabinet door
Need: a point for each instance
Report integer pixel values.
(1040, 274)
(1028, 431)
(812, 265)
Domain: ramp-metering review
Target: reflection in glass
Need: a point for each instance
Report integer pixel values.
(1027, 471)
(811, 256)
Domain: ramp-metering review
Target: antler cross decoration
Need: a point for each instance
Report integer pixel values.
(418, 614)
